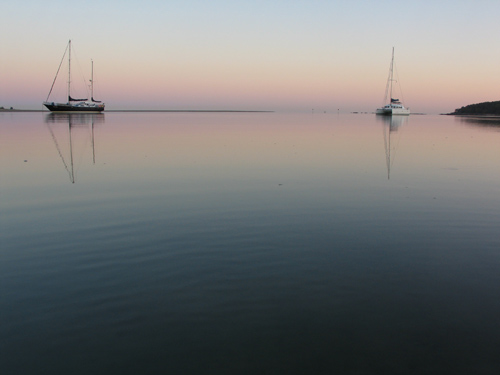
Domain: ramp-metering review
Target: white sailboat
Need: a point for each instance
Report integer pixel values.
(394, 107)
(74, 105)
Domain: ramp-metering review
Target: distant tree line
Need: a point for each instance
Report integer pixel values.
(486, 108)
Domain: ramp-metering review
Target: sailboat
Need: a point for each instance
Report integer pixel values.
(395, 107)
(74, 105)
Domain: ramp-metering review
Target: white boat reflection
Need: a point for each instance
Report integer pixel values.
(390, 125)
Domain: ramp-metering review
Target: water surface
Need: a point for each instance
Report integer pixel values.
(200, 243)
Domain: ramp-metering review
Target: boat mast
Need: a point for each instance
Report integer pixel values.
(69, 70)
(92, 80)
(392, 67)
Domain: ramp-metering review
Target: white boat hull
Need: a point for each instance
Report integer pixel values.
(393, 111)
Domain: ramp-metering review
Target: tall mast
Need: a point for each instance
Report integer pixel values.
(392, 67)
(69, 70)
(92, 80)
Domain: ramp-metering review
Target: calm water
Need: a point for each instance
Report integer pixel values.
(261, 243)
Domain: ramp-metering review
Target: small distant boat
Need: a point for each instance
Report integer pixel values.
(74, 105)
(395, 107)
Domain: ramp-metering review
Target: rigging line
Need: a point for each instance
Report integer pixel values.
(387, 88)
(399, 84)
(62, 60)
(98, 90)
(82, 74)
(58, 149)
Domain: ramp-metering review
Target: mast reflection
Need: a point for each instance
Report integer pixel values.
(390, 125)
(64, 142)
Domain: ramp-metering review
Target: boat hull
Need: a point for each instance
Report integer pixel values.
(393, 112)
(70, 108)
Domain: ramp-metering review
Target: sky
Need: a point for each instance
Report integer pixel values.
(254, 55)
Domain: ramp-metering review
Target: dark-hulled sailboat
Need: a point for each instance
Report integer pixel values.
(74, 105)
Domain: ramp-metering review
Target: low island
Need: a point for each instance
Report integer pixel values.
(479, 109)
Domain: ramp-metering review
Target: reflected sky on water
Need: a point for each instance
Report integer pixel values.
(249, 243)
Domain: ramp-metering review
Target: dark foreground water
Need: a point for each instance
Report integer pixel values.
(191, 243)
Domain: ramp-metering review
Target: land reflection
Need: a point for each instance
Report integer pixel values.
(485, 122)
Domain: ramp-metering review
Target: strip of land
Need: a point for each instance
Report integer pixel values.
(479, 109)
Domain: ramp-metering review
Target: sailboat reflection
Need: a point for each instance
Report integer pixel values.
(390, 126)
(70, 154)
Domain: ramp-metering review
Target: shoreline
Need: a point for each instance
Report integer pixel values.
(472, 115)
